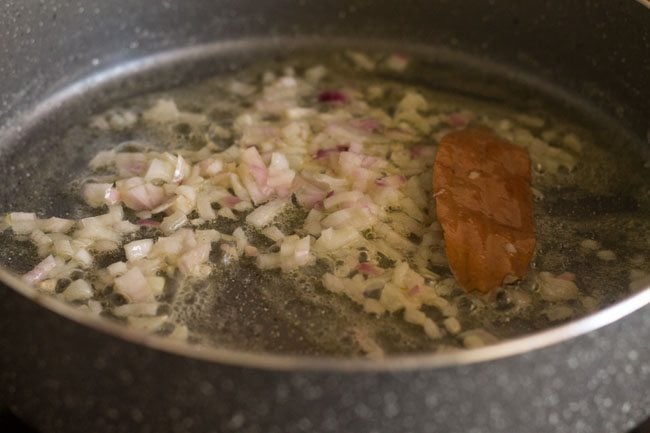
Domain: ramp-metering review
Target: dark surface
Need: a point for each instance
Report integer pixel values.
(65, 377)
(9, 423)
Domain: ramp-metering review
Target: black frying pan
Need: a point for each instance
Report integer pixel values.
(63, 372)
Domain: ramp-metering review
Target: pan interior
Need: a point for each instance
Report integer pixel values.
(604, 198)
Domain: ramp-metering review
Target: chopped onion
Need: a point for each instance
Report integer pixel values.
(78, 290)
(143, 196)
(118, 268)
(265, 214)
(331, 239)
(133, 286)
(22, 223)
(189, 262)
(40, 271)
(173, 222)
(137, 309)
(159, 170)
(56, 225)
(138, 249)
(273, 233)
(556, 289)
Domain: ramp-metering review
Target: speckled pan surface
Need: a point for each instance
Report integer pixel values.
(63, 376)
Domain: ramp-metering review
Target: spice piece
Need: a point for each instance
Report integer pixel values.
(487, 220)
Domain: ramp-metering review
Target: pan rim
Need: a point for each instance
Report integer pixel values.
(291, 363)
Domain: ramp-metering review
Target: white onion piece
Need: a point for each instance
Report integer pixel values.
(273, 233)
(95, 307)
(331, 239)
(130, 164)
(22, 223)
(116, 269)
(41, 270)
(138, 309)
(125, 227)
(181, 170)
(63, 248)
(180, 333)
(189, 262)
(156, 285)
(159, 170)
(56, 225)
(142, 197)
(265, 214)
(99, 194)
(279, 173)
(173, 222)
(254, 175)
(342, 199)
(84, 258)
(133, 286)
(269, 261)
(210, 167)
(353, 217)
(102, 159)
(556, 289)
(78, 290)
(204, 208)
(163, 111)
(98, 232)
(138, 249)
(207, 236)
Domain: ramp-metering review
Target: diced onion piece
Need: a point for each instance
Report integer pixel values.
(162, 111)
(556, 289)
(180, 333)
(138, 249)
(477, 338)
(279, 174)
(22, 223)
(116, 269)
(204, 208)
(102, 159)
(78, 290)
(63, 248)
(294, 252)
(83, 257)
(189, 262)
(156, 284)
(41, 270)
(130, 164)
(125, 227)
(56, 225)
(346, 198)
(99, 194)
(254, 175)
(265, 214)
(159, 170)
(268, 261)
(351, 217)
(95, 307)
(331, 239)
(143, 197)
(133, 286)
(207, 236)
(173, 222)
(273, 233)
(138, 309)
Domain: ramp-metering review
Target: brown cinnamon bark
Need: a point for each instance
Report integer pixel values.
(484, 203)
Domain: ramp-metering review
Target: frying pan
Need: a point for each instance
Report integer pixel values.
(65, 372)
